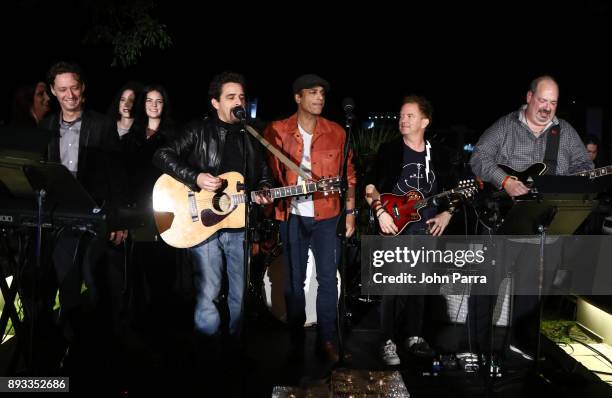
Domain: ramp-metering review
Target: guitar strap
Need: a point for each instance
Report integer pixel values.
(427, 159)
(552, 149)
(278, 154)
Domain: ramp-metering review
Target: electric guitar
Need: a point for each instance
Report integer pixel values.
(185, 218)
(405, 209)
(496, 202)
(537, 169)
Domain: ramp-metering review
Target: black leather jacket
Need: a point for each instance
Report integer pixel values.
(199, 149)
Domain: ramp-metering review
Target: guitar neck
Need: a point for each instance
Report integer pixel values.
(602, 171)
(424, 202)
(283, 192)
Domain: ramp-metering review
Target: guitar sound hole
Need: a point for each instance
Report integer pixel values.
(222, 203)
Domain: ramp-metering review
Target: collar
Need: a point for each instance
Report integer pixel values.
(523, 119)
(230, 127)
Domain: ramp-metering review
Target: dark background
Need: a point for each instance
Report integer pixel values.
(474, 62)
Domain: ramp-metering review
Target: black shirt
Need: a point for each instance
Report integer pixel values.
(417, 175)
(232, 157)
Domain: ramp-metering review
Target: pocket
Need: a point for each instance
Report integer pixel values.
(330, 163)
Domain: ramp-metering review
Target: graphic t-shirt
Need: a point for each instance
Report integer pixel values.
(417, 175)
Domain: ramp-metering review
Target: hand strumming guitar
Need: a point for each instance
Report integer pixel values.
(208, 182)
(515, 187)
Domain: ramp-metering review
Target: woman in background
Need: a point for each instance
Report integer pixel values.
(30, 105)
(152, 258)
(121, 109)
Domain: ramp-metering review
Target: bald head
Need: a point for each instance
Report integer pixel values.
(533, 86)
(542, 99)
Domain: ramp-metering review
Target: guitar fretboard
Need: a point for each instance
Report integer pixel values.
(424, 202)
(461, 190)
(294, 190)
(602, 171)
(282, 192)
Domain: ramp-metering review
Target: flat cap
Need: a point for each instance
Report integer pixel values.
(309, 81)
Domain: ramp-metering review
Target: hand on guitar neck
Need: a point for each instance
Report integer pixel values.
(263, 198)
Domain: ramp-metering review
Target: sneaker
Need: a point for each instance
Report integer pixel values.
(418, 347)
(389, 354)
(468, 362)
(514, 348)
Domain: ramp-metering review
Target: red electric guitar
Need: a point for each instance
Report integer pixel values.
(404, 209)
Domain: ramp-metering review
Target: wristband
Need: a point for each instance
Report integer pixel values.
(505, 181)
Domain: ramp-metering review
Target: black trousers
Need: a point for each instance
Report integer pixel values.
(401, 317)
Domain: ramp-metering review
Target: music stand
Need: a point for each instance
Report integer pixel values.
(40, 194)
(560, 212)
(557, 205)
(24, 142)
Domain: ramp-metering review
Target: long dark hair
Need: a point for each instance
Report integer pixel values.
(166, 124)
(113, 109)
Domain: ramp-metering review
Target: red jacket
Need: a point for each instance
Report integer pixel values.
(326, 161)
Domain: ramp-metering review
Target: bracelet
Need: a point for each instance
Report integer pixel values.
(350, 211)
(505, 181)
(381, 212)
(374, 201)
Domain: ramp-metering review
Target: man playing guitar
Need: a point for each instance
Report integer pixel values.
(207, 149)
(529, 135)
(404, 166)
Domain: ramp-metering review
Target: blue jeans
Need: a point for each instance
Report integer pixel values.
(298, 234)
(209, 258)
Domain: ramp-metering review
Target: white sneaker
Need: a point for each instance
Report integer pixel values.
(519, 351)
(389, 353)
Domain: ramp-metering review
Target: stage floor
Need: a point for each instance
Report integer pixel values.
(160, 353)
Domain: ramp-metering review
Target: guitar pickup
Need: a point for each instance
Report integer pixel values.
(193, 206)
(396, 212)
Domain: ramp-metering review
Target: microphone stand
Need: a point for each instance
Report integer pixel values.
(247, 230)
(341, 234)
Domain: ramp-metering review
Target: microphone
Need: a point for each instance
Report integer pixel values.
(348, 104)
(240, 113)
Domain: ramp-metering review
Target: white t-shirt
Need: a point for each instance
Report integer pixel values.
(303, 205)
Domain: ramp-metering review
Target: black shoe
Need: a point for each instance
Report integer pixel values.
(329, 351)
(421, 350)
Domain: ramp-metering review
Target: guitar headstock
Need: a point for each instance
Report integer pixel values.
(467, 188)
(328, 185)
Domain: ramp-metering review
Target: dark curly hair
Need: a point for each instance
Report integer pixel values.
(216, 84)
(64, 67)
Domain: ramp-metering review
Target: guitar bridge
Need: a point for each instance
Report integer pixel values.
(193, 206)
